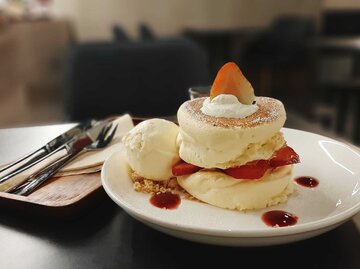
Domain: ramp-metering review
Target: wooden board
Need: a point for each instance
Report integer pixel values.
(59, 197)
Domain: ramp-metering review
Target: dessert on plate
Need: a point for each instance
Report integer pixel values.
(151, 152)
(228, 150)
(151, 148)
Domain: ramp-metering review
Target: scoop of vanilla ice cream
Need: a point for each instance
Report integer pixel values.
(151, 148)
(218, 189)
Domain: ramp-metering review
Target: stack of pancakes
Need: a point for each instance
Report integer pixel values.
(216, 143)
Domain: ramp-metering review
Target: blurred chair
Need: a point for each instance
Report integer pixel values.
(347, 95)
(283, 43)
(142, 78)
(119, 34)
(341, 22)
(278, 51)
(145, 32)
(337, 86)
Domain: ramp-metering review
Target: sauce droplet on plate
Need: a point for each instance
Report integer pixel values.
(309, 182)
(279, 218)
(166, 200)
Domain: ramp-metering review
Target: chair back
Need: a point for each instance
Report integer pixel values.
(148, 79)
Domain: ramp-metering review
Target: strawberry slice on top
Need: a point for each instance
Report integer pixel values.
(230, 80)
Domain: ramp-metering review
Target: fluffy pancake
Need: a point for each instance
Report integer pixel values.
(218, 189)
(216, 142)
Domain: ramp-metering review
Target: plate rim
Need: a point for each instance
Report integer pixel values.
(326, 222)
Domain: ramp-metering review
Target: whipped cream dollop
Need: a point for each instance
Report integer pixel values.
(227, 106)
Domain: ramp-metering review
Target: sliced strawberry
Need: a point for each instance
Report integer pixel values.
(182, 168)
(284, 156)
(251, 170)
(230, 80)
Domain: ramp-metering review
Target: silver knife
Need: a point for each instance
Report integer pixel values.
(82, 145)
(76, 144)
(44, 150)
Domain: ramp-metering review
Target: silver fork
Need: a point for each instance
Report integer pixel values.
(103, 139)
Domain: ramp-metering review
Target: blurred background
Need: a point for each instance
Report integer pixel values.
(67, 60)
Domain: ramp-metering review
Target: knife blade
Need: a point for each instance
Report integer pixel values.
(45, 149)
(79, 141)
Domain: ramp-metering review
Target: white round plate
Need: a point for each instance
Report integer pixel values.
(320, 209)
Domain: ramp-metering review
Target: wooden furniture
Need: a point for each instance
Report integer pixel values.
(31, 67)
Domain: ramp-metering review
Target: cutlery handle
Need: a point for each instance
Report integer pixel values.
(16, 178)
(45, 151)
(45, 174)
(24, 161)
